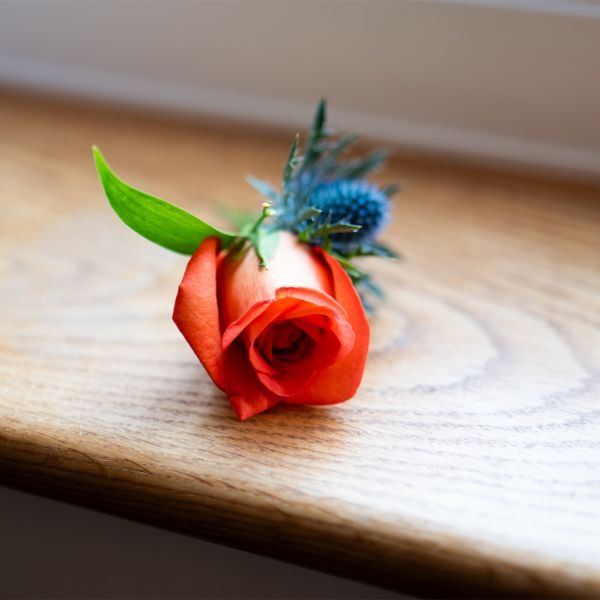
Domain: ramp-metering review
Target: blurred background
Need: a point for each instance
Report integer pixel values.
(499, 82)
(502, 81)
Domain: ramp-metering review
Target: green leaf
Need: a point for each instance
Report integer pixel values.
(155, 219)
(264, 241)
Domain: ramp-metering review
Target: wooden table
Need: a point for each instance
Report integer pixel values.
(468, 463)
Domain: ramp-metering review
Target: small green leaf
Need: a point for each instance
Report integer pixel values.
(265, 243)
(306, 234)
(376, 249)
(340, 227)
(308, 213)
(355, 273)
(155, 219)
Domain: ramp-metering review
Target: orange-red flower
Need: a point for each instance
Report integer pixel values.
(295, 332)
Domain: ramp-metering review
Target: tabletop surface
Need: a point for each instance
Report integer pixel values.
(469, 460)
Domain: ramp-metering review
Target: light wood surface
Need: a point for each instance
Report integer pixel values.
(469, 462)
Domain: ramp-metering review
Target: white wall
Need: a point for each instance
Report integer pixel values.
(504, 80)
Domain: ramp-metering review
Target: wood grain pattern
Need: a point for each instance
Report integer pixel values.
(469, 462)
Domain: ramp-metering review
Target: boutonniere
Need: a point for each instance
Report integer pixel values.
(276, 310)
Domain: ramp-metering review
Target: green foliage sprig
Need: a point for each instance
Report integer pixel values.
(303, 205)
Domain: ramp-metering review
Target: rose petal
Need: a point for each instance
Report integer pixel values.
(288, 384)
(239, 325)
(291, 379)
(242, 284)
(340, 381)
(296, 303)
(312, 326)
(196, 315)
(196, 312)
(337, 338)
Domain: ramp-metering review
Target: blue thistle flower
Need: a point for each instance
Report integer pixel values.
(357, 202)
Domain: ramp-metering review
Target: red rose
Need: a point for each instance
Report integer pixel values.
(295, 332)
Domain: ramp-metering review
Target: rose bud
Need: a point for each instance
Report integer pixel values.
(295, 332)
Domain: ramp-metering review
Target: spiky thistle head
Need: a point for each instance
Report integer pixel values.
(326, 200)
(356, 202)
